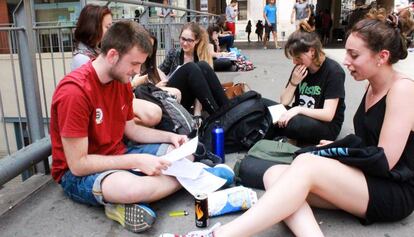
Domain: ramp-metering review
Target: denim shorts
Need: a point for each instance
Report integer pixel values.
(272, 28)
(87, 189)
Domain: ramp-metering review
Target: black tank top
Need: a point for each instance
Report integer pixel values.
(368, 127)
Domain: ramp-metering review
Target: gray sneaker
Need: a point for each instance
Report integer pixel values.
(133, 217)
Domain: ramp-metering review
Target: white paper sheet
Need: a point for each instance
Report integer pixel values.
(191, 175)
(184, 150)
(205, 183)
(172, 73)
(276, 111)
(183, 168)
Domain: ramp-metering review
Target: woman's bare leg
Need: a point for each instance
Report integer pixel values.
(146, 113)
(339, 184)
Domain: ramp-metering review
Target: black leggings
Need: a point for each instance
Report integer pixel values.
(198, 81)
(308, 130)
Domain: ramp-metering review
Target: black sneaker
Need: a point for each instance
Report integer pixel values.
(205, 156)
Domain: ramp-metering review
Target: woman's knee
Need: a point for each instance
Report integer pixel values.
(305, 165)
(190, 66)
(148, 113)
(204, 65)
(272, 174)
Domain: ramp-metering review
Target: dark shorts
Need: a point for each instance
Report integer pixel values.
(271, 28)
(388, 200)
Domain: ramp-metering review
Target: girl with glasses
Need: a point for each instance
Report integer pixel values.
(189, 69)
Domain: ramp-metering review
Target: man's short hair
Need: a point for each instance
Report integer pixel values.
(124, 35)
(233, 1)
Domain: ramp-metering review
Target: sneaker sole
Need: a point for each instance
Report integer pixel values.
(135, 218)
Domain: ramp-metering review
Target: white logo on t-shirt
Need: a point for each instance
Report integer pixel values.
(99, 116)
(307, 101)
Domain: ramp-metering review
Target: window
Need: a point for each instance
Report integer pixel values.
(242, 7)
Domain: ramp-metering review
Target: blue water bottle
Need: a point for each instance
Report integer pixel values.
(218, 141)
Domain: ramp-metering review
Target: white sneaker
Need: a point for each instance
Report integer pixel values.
(198, 233)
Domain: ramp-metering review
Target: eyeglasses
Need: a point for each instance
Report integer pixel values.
(190, 41)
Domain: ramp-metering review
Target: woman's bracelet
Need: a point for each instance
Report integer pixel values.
(293, 84)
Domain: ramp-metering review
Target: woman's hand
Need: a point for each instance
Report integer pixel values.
(139, 80)
(287, 116)
(324, 143)
(299, 73)
(162, 83)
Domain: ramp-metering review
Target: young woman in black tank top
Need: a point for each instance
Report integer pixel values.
(384, 119)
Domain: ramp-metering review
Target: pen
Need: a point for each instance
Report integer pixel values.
(178, 213)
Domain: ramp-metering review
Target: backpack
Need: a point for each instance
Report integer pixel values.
(245, 120)
(175, 118)
(249, 170)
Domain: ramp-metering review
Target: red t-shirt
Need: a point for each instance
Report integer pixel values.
(84, 107)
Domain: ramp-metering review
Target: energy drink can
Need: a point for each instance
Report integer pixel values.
(201, 210)
(217, 134)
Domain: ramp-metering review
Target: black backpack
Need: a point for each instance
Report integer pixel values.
(175, 118)
(245, 120)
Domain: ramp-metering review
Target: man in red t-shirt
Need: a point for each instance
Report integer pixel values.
(91, 112)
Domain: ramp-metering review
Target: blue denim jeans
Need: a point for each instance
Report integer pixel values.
(87, 189)
(227, 40)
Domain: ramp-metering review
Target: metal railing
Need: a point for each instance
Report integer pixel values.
(33, 58)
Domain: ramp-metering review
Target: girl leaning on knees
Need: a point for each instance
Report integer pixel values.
(220, 61)
(384, 119)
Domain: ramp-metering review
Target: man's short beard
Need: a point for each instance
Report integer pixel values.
(114, 75)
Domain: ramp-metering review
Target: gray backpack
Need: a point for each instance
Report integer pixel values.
(175, 118)
(182, 119)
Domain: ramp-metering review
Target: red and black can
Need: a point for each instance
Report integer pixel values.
(201, 210)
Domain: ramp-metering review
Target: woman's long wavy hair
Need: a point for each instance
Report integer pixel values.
(201, 48)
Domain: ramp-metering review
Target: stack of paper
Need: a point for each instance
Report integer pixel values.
(191, 176)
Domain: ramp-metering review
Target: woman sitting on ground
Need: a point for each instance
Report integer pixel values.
(189, 69)
(87, 41)
(384, 120)
(316, 87)
(151, 74)
(225, 36)
(220, 62)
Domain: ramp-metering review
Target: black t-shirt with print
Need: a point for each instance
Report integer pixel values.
(326, 83)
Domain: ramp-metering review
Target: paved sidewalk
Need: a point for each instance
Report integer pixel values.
(49, 212)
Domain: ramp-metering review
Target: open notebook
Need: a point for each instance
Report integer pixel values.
(276, 111)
